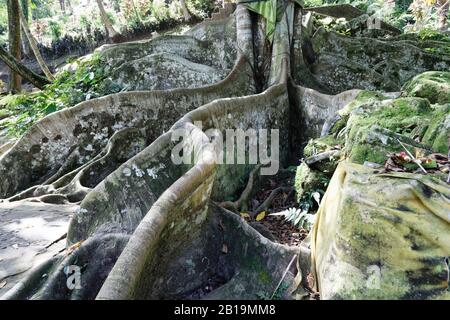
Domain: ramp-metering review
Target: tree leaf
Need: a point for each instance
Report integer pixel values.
(260, 216)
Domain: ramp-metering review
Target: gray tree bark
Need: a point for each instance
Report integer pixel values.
(111, 32)
(21, 70)
(186, 13)
(34, 47)
(15, 81)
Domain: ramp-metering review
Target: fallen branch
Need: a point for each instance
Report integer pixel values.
(266, 204)
(412, 157)
(284, 276)
(57, 240)
(321, 156)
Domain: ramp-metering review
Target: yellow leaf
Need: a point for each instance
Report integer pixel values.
(260, 216)
(73, 247)
(420, 153)
(245, 215)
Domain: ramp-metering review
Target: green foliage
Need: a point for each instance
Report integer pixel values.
(55, 29)
(312, 3)
(431, 34)
(339, 25)
(69, 88)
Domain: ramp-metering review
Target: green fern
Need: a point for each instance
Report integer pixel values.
(299, 218)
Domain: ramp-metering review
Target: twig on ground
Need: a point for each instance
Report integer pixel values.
(57, 240)
(284, 276)
(266, 204)
(412, 157)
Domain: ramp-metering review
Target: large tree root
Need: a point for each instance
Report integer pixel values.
(178, 240)
(241, 204)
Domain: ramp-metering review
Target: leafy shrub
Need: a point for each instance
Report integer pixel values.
(88, 81)
(55, 30)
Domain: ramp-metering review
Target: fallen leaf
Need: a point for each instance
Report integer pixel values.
(260, 216)
(2, 284)
(224, 248)
(74, 247)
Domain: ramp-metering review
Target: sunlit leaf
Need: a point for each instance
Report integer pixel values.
(260, 216)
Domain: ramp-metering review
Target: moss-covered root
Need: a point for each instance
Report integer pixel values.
(433, 85)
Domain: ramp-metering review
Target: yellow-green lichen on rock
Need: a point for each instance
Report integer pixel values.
(382, 236)
(308, 180)
(373, 130)
(432, 85)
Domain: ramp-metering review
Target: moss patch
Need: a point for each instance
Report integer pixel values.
(308, 180)
(433, 85)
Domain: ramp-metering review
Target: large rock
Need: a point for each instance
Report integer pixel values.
(433, 85)
(342, 63)
(382, 236)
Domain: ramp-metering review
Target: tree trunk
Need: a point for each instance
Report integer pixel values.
(442, 12)
(186, 13)
(15, 81)
(25, 44)
(69, 6)
(136, 11)
(62, 4)
(22, 70)
(112, 34)
(34, 47)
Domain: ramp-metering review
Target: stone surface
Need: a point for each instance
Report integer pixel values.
(26, 228)
(382, 236)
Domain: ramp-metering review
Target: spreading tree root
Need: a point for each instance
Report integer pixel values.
(242, 203)
(146, 226)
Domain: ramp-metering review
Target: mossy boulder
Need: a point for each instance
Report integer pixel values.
(374, 128)
(433, 85)
(382, 236)
(371, 126)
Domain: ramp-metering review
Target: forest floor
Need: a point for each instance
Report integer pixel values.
(281, 230)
